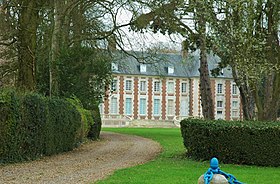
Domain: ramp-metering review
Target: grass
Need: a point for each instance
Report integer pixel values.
(172, 167)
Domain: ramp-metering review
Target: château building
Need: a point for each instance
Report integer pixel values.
(164, 89)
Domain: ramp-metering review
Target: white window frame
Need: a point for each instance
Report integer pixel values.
(219, 104)
(114, 105)
(218, 112)
(170, 107)
(156, 112)
(114, 67)
(128, 85)
(235, 115)
(128, 106)
(170, 87)
(170, 70)
(234, 89)
(184, 109)
(143, 88)
(156, 86)
(114, 85)
(142, 106)
(222, 72)
(235, 104)
(220, 88)
(184, 87)
(143, 68)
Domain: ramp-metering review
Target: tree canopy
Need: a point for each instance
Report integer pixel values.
(244, 34)
(49, 46)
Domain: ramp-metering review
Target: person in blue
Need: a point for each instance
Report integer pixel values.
(214, 169)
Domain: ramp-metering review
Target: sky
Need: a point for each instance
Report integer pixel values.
(139, 41)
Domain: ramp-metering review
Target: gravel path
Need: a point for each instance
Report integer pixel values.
(90, 162)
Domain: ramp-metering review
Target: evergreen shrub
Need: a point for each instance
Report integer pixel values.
(94, 129)
(91, 120)
(238, 142)
(32, 125)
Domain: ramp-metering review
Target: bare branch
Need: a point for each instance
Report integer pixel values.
(8, 43)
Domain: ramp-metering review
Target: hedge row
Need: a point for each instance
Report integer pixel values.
(250, 142)
(32, 126)
(91, 121)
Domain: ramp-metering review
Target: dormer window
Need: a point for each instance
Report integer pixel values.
(170, 70)
(114, 67)
(222, 72)
(143, 68)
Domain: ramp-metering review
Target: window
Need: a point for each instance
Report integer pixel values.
(143, 68)
(128, 85)
(234, 89)
(128, 106)
(143, 106)
(219, 112)
(101, 108)
(114, 85)
(220, 89)
(234, 113)
(156, 107)
(184, 110)
(143, 86)
(219, 104)
(170, 107)
(184, 87)
(234, 104)
(170, 87)
(114, 105)
(114, 67)
(222, 72)
(170, 70)
(156, 86)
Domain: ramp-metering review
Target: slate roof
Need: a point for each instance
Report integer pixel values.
(157, 64)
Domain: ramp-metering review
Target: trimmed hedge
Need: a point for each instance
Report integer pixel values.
(94, 129)
(246, 142)
(90, 119)
(32, 126)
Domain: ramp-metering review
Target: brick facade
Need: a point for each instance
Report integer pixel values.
(191, 97)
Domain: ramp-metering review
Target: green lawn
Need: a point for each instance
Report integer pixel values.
(171, 166)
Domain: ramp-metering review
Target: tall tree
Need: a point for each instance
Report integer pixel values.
(172, 17)
(205, 84)
(246, 38)
(28, 16)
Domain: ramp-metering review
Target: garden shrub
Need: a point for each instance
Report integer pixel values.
(32, 126)
(239, 142)
(29, 129)
(87, 118)
(94, 129)
(63, 123)
(9, 110)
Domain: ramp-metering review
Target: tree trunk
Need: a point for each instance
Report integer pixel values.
(246, 93)
(205, 85)
(28, 17)
(78, 25)
(271, 86)
(56, 46)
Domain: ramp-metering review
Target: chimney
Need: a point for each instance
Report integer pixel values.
(184, 49)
